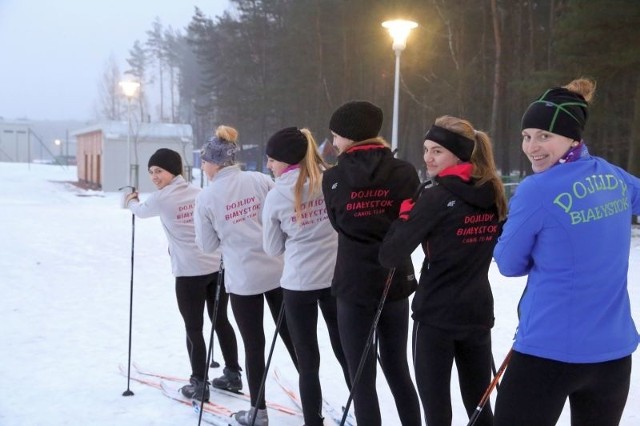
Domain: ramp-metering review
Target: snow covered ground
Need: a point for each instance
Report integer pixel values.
(64, 306)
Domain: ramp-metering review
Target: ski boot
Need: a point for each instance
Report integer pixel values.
(194, 389)
(230, 380)
(244, 417)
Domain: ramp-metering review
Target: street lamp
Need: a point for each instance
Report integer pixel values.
(130, 89)
(399, 30)
(58, 143)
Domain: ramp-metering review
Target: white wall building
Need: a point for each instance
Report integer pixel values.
(103, 159)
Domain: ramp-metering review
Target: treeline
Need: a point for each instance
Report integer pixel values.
(266, 64)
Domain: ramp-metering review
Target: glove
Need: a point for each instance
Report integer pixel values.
(129, 197)
(405, 207)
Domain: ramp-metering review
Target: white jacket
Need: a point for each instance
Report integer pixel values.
(229, 215)
(310, 246)
(175, 205)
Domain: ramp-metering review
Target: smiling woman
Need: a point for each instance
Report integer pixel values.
(197, 274)
(544, 149)
(568, 230)
(164, 165)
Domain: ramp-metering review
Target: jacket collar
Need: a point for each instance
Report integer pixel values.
(367, 145)
(463, 171)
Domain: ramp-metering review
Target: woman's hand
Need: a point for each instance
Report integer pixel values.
(131, 196)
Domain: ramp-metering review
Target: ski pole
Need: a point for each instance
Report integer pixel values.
(367, 347)
(214, 363)
(216, 303)
(266, 368)
(376, 349)
(487, 393)
(494, 371)
(128, 392)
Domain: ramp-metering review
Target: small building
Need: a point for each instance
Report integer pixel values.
(38, 141)
(105, 163)
(15, 142)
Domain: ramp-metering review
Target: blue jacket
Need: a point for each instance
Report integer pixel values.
(569, 229)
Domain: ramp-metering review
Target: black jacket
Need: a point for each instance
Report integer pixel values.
(457, 224)
(363, 195)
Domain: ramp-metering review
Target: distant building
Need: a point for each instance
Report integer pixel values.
(37, 141)
(15, 142)
(102, 157)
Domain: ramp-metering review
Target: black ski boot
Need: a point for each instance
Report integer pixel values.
(194, 389)
(230, 380)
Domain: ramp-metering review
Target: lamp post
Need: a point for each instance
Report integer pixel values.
(399, 30)
(60, 160)
(130, 89)
(58, 143)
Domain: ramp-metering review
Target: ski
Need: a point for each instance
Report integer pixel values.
(287, 390)
(210, 418)
(211, 407)
(215, 409)
(239, 394)
(327, 408)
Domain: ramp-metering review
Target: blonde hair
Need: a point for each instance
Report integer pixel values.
(584, 86)
(484, 166)
(311, 168)
(227, 133)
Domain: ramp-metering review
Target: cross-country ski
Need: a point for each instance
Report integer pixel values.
(330, 411)
(239, 394)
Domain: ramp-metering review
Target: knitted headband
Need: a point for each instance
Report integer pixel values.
(460, 146)
(219, 151)
(288, 145)
(558, 111)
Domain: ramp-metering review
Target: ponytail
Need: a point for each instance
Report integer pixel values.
(311, 168)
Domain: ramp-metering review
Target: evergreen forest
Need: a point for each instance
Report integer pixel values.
(267, 64)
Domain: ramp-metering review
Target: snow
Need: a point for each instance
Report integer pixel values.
(65, 279)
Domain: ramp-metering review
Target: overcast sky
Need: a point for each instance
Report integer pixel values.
(54, 52)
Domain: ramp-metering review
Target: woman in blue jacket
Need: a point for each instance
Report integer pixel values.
(568, 229)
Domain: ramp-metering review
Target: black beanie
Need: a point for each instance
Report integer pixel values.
(357, 120)
(168, 160)
(558, 111)
(288, 145)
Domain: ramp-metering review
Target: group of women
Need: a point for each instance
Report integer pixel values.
(341, 238)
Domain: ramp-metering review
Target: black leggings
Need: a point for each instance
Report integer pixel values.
(249, 313)
(192, 293)
(534, 391)
(355, 322)
(301, 308)
(434, 351)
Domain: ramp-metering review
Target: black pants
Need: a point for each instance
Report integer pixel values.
(434, 351)
(354, 322)
(249, 313)
(192, 293)
(534, 391)
(301, 308)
